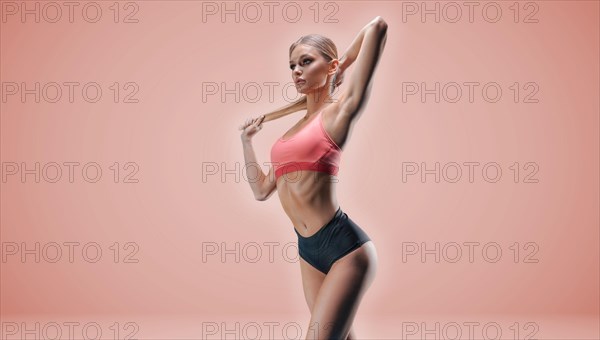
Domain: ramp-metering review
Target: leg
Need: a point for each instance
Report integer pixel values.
(312, 279)
(351, 335)
(341, 292)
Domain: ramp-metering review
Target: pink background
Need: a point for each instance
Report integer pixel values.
(172, 135)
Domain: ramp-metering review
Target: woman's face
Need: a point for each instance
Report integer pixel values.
(307, 64)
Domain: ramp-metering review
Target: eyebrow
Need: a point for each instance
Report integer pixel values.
(302, 56)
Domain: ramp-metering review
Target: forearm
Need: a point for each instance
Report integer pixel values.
(253, 170)
(352, 52)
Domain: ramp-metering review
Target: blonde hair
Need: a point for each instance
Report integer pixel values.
(327, 49)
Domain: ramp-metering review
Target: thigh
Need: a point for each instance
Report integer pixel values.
(311, 282)
(341, 293)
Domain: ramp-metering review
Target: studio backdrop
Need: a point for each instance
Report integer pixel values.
(126, 206)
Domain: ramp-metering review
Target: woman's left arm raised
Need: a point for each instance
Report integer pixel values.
(365, 51)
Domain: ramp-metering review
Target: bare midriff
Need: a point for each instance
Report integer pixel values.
(308, 198)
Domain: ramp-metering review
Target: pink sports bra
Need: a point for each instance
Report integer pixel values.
(311, 148)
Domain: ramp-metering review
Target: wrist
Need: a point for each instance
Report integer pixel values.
(343, 62)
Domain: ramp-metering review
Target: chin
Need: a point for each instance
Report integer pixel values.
(304, 89)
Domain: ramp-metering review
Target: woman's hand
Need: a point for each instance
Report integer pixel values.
(251, 126)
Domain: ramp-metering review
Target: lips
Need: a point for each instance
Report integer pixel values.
(300, 81)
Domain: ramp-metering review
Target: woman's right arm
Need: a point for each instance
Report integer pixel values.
(262, 186)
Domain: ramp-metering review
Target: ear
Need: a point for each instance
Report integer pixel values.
(333, 66)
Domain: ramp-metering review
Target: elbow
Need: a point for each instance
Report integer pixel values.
(265, 196)
(262, 196)
(380, 23)
(264, 190)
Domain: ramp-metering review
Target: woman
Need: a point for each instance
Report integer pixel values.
(338, 260)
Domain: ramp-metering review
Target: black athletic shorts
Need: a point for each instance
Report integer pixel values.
(334, 240)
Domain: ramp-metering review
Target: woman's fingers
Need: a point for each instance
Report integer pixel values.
(252, 121)
(340, 78)
(258, 120)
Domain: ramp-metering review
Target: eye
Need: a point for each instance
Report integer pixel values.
(304, 62)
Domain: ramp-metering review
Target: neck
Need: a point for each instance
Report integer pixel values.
(316, 101)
